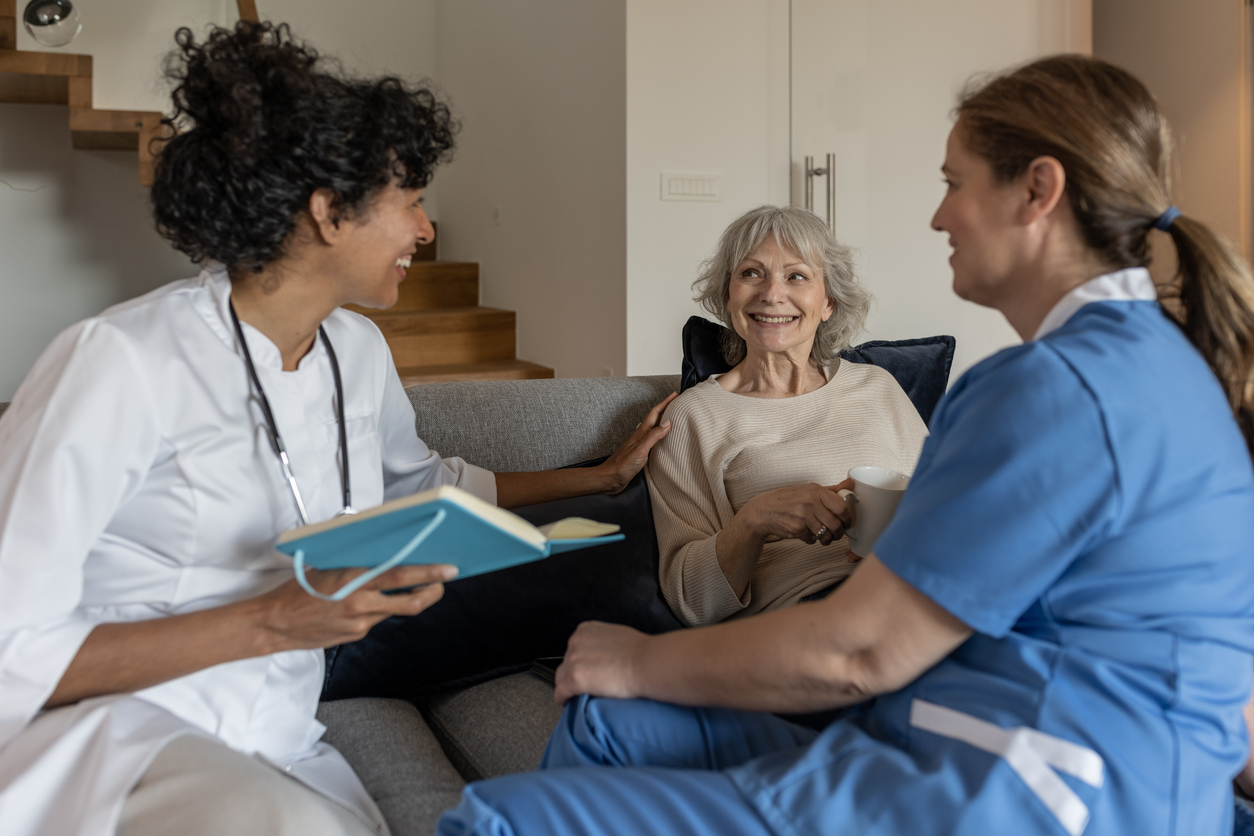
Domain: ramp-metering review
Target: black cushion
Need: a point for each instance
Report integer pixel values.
(492, 624)
(920, 365)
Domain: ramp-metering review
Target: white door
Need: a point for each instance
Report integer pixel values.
(874, 82)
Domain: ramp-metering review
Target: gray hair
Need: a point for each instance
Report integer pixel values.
(802, 233)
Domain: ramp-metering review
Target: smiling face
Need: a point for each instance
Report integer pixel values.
(775, 301)
(375, 246)
(979, 214)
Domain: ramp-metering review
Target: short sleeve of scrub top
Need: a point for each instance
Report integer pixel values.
(1015, 482)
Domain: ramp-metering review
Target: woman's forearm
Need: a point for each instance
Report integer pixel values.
(517, 489)
(759, 664)
(126, 657)
(611, 476)
(873, 635)
(123, 657)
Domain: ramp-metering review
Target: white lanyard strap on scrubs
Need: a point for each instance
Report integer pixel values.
(1032, 754)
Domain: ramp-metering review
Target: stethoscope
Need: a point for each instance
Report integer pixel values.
(276, 440)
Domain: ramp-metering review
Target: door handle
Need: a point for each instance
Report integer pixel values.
(828, 172)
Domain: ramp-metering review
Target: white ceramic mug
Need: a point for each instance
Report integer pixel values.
(875, 496)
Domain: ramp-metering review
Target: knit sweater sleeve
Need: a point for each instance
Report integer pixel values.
(690, 507)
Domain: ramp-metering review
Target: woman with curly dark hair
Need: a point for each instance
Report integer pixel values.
(158, 663)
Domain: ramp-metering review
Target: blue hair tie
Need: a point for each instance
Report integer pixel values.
(1167, 218)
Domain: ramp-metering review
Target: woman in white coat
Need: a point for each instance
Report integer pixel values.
(159, 666)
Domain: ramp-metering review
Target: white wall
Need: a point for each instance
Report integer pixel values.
(707, 91)
(75, 232)
(570, 112)
(536, 194)
(383, 37)
(75, 228)
(875, 81)
(127, 40)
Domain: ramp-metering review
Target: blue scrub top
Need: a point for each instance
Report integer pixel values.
(1085, 503)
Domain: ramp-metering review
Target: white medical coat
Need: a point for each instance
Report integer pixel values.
(137, 481)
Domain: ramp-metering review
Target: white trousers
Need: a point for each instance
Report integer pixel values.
(199, 787)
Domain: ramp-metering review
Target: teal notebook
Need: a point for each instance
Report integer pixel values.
(442, 525)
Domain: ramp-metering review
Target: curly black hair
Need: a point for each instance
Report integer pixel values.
(261, 121)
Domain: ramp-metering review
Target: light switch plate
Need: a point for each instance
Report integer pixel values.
(687, 185)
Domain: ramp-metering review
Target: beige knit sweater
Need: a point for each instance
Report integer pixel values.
(724, 449)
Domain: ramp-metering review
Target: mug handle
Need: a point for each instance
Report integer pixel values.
(850, 532)
(852, 498)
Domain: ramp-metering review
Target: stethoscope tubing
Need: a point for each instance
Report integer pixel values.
(272, 427)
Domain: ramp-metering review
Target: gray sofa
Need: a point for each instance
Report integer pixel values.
(414, 758)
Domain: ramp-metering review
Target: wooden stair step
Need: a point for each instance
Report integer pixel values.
(111, 130)
(485, 370)
(434, 284)
(65, 79)
(40, 77)
(447, 335)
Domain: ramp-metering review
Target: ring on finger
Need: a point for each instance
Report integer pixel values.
(818, 535)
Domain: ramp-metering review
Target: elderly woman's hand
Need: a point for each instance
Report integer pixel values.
(599, 662)
(631, 456)
(810, 513)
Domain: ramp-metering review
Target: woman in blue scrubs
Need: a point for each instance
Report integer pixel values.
(1056, 633)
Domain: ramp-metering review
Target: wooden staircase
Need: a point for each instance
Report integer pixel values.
(65, 79)
(437, 331)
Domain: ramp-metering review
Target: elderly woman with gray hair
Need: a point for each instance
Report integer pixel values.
(744, 488)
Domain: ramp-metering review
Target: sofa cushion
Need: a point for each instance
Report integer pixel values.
(496, 727)
(499, 622)
(415, 765)
(399, 761)
(524, 425)
(920, 365)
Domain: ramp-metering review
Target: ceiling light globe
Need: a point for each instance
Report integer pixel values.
(52, 22)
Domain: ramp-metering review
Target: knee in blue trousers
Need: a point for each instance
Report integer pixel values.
(628, 767)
